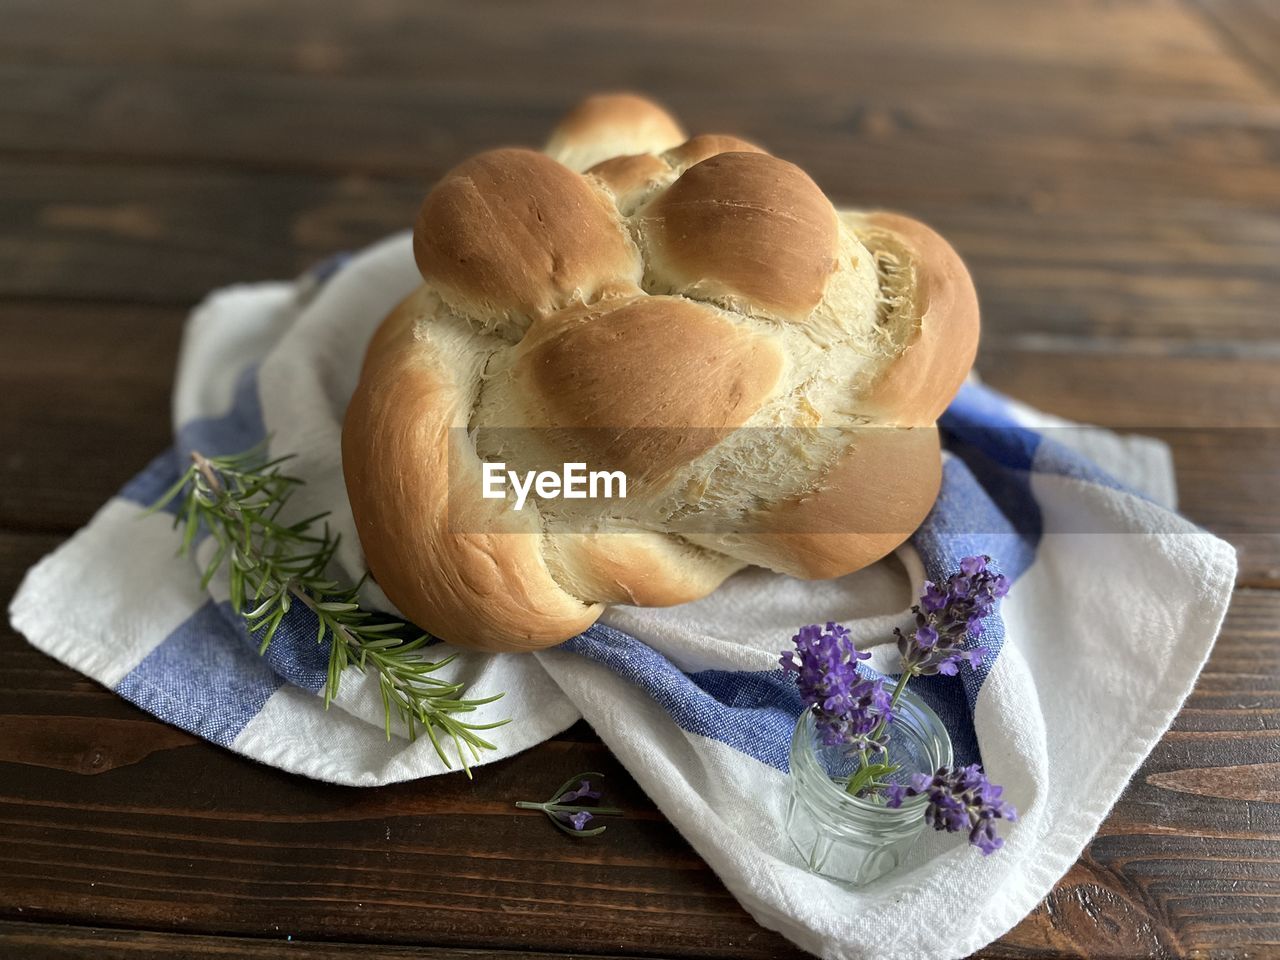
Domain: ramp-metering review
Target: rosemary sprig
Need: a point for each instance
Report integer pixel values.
(271, 564)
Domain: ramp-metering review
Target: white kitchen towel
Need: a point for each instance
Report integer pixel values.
(1115, 604)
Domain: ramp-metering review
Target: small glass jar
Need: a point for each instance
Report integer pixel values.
(851, 839)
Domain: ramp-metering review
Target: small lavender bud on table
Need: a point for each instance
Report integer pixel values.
(565, 809)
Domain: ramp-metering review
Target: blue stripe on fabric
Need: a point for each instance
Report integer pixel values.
(239, 429)
(203, 678)
(294, 654)
(207, 676)
(979, 419)
(235, 431)
(324, 271)
(1057, 459)
(148, 485)
(985, 506)
(752, 712)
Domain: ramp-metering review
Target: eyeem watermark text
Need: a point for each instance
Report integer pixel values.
(574, 482)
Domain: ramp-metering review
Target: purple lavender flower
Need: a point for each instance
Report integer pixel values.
(577, 820)
(848, 708)
(960, 799)
(583, 791)
(934, 597)
(950, 614)
(926, 636)
(894, 794)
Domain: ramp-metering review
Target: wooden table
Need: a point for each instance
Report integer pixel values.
(1110, 170)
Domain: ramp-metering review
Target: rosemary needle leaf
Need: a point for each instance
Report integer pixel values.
(302, 525)
(482, 702)
(168, 496)
(257, 611)
(380, 627)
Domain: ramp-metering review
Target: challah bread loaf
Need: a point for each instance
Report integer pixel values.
(766, 371)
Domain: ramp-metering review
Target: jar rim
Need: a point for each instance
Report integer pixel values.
(909, 805)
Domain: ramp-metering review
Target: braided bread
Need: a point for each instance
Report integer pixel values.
(766, 371)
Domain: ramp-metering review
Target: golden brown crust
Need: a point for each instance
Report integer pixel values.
(745, 229)
(864, 507)
(513, 234)
(705, 146)
(611, 125)
(633, 179)
(629, 175)
(490, 591)
(920, 384)
(638, 567)
(633, 374)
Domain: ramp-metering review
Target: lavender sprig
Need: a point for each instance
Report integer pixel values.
(848, 707)
(948, 615)
(566, 809)
(959, 799)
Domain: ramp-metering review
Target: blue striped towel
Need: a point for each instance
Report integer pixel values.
(1114, 609)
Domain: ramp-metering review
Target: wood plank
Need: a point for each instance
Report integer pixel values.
(50, 941)
(1157, 43)
(380, 124)
(1107, 168)
(1220, 417)
(160, 235)
(1154, 218)
(1250, 28)
(1157, 217)
(1120, 385)
(87, 405)
(129, 823)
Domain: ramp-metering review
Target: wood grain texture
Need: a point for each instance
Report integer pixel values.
(85, 392)
(153, 137)
(1252, 29)
(1110, 169)
(49, 941)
